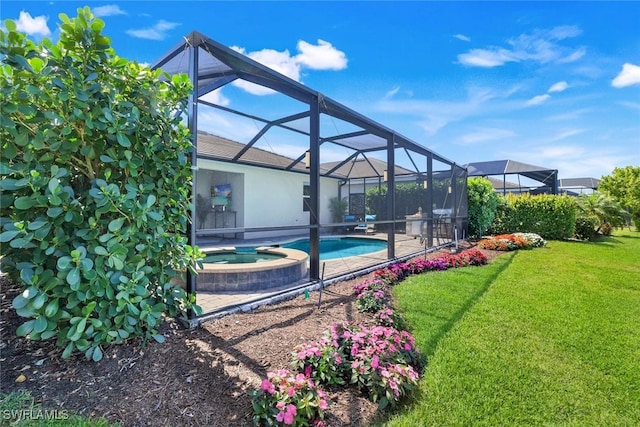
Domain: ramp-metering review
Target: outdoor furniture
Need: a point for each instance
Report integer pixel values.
(365, 226)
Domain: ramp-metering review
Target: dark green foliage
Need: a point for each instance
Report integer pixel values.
(586, 227)
(623, 185)
(550, 216)
(338, 208)
(606, 211)
(410, 197)
(483, 204)
(95, 186)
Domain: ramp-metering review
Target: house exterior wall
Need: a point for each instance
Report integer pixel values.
(263, 197)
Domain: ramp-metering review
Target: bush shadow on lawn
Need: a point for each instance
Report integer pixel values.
(428, 348)
(455, 317)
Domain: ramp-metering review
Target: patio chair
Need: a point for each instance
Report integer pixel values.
(365, 226)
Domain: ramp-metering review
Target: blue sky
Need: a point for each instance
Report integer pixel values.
(552, 84)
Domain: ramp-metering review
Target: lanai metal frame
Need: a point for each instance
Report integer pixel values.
(211, 65)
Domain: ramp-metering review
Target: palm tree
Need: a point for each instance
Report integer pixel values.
(607, 211)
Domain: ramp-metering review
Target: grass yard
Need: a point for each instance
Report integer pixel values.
(549, 336)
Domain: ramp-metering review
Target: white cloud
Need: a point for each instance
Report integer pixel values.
(558, 87)
(216, 97)
(566, 134)
(108, 10)
(570, 115)
(392, 92)
(537, 100)
(462, 37)
(33, 26)
(434, 115)
(212, 121)
(632, 105)
(573, 56)
(157, 32)
(281, 62)
(630, 75)
(486, 58)
(539, 46)
(564, 151)
(322, 56)
(484, 135)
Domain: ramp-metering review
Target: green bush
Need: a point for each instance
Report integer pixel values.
(623, 185)
(482, 205)
(586, 227)
(550, 216)
(95, 184)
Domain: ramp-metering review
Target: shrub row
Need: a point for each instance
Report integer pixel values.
(381, 359)
(551, 216)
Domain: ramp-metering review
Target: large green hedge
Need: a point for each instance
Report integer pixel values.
(551, 216)
(482, 205)
(95, 186)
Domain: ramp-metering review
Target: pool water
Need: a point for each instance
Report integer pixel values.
(240, 258)
(332, 248)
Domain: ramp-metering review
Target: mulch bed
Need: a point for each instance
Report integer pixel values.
(198, 377)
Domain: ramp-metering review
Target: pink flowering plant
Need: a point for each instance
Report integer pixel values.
(384, 362)
(390, 317)
(288, 399)
(322, 361)
(421, 265)
(372, 296)
(393, 273)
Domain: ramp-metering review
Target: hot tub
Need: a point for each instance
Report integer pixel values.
(231, 271)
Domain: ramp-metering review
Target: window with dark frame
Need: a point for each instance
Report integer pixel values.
(306, 197)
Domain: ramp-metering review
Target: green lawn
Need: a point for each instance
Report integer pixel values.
(549, 336)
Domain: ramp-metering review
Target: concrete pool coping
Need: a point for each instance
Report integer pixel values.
(291, 257)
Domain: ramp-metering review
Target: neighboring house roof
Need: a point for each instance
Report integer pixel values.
(219, 148)
(363, 168)
(499, 184)
(591, 183)
(505, 167)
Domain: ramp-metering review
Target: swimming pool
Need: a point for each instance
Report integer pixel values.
(340, 247)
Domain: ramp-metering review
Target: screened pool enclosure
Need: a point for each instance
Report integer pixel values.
(277, 161)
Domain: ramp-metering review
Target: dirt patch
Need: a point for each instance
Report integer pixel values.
(197, 377)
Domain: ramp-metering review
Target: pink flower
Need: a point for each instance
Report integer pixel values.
(280, 416)
(375, 362)
(307, 371)
(289, 415)
(323, 405)
(267, 386)
(338, 359)
(291, 391)
(281, 405)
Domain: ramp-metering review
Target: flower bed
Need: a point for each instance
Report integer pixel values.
(511, 242)
(379, 359)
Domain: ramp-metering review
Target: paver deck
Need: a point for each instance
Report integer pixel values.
(405, 245)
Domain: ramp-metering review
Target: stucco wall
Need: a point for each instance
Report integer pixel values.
(265, 197)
